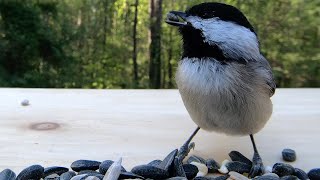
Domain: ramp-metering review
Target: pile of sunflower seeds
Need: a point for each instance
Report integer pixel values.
(195, 168)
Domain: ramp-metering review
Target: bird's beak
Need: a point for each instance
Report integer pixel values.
(177, 18)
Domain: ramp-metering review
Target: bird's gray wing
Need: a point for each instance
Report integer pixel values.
(269, 79)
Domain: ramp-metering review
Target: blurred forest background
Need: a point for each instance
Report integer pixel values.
(126, 44)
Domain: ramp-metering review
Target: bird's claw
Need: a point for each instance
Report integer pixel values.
(257, 166)
(191, 146)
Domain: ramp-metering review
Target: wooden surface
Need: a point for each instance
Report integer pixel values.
(61, 126)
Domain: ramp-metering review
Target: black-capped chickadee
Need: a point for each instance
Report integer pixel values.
(224, 81)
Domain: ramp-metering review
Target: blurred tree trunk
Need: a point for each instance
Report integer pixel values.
(155, 44)
(134, 53)
(170, 74)
(105, 24)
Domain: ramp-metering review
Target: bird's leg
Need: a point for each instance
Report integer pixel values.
(257, 165)
(182, 153)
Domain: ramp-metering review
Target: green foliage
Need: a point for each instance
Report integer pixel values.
(89, 44)
(30, 50)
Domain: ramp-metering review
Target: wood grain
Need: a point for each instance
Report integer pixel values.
(60, 126)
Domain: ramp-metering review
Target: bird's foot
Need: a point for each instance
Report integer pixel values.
(182, 153)
(257, 166)
(185, 149)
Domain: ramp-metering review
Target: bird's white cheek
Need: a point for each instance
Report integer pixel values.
(234, 40)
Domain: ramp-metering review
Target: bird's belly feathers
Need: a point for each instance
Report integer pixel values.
(218, 98)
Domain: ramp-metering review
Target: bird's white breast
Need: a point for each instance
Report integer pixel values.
(223, 98)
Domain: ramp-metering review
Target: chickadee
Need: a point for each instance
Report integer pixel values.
(224, 80)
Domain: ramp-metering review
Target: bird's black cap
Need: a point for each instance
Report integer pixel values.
(222, 11)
